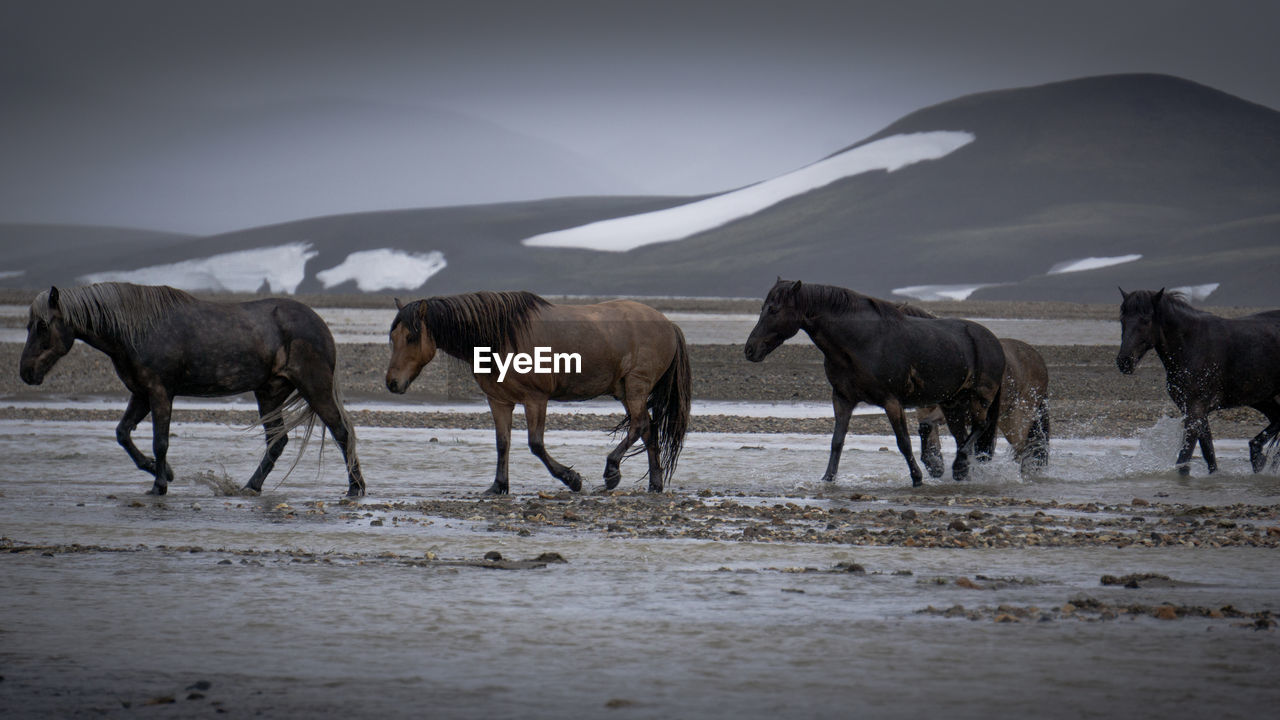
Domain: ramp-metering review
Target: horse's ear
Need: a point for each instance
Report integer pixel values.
(399, 306)
(795, 286)
(1123, 294)
(1155, 299)
(53, 297)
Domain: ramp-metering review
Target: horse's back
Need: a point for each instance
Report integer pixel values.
(1025, 365)
(293, 321)
(613, 339)
(618, 323)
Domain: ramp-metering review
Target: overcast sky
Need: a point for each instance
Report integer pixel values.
(221, 114)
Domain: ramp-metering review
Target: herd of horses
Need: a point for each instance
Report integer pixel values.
(165, 342)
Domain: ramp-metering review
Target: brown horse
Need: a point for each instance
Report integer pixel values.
(1024, 412)
(515, 343)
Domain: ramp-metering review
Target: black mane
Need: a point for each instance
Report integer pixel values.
(838, 300)
(461, 323)
(1149, 302)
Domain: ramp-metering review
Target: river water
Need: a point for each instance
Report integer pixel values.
(318, 615)
(365, 325)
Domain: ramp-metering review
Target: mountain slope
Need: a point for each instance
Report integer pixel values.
(1182, 175)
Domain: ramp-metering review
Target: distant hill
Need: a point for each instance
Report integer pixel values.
(1182, 175)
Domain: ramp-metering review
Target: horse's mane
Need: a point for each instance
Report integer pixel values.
(842, 300)
(120, 311)
(460, 323)
(915, 311)
(1143, 301)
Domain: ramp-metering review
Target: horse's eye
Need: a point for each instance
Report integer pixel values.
(772, 310)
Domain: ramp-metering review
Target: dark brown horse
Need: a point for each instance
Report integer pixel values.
(1024, 408)
(622, 348)
(1024, 412)
(1210, 363)
(165, 342)
(875, 353)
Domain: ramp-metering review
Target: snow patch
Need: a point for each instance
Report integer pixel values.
(1197, 293)
(939, 292)
(11, 273)
(384, 269)
(1091, 263)
(677, 223)
(281, 267)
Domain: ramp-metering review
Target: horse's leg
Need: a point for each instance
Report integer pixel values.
(843, 407)
(964, 437)
(1194, 425)
(1206, 448)
(314, 381)
(931, 442)
(984, 447)
(161, 412)
(655, 454)
(268, 402)
(634, 401)
(138, 408)
(535, 414)
(898, 419)
(501, 412)
(1271, 409)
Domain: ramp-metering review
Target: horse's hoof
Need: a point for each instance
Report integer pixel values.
(611, 480)
(572, 480)
(158, 490)
(917, 483)
(1184, 470)
(828, 477)
(355, 492)
(496, 489)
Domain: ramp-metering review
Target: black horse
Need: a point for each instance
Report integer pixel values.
(1210, 363)
(165, 342)
(874, 353)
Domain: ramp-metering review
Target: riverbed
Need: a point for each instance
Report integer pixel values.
(749, 589)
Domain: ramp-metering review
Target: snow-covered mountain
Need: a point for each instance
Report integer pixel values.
(1060, 191)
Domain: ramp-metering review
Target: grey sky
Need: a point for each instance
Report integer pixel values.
(211, 116)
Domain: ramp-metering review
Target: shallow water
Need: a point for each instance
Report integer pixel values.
(366, 325)
(628, 627)
(362, 325)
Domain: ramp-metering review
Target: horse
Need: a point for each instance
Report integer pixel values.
(623, 348)
(873, 352)
(1024, 412)
(1024, 408)
(165, 342)
(1210, 362)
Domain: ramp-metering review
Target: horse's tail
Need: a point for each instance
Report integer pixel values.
(1036, 456)
(295, 412)
(669, 401)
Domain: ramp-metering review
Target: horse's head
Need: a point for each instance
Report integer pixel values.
(1138, 329)
(412, 347)
(779, 320)
(49, 337)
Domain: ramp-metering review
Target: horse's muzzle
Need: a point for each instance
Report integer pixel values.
(394, 386)
(30, 376)
(1126, 364)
